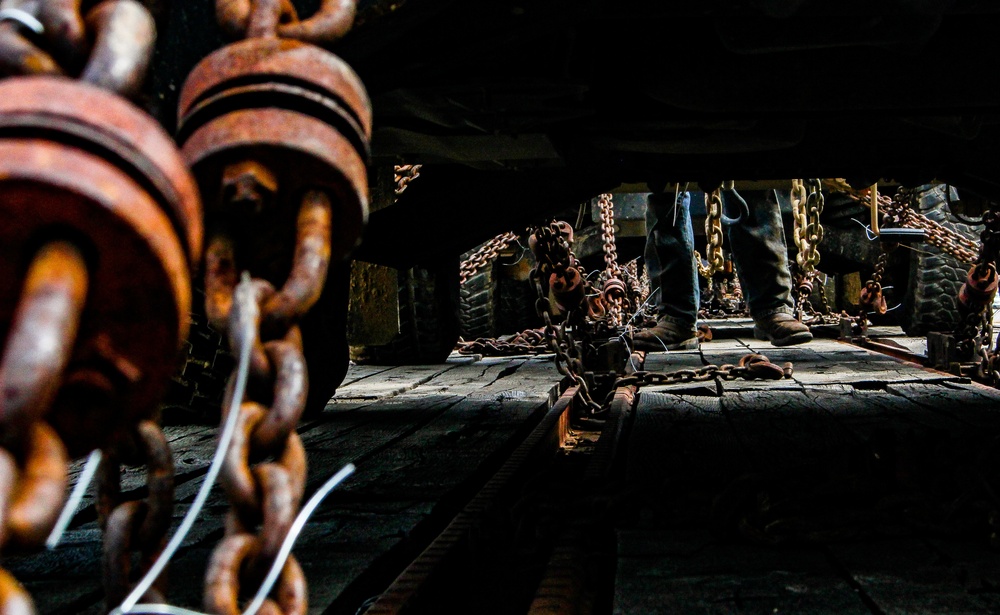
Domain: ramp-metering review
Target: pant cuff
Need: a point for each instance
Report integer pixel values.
(680, 322)
(781, 309)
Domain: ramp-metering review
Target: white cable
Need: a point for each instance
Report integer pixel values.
(293, 533)
(79, 489)
(243, 296)
(24, 19)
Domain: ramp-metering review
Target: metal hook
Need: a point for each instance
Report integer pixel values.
(744, 213)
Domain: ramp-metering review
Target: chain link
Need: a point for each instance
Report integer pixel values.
(556, 265)
(614, 288)
(484, 256)
(807, 206)
(750, 367)
(529, 341)
(278, 18)
(404, 174)
(136, 526)
(265, 495)
(900, 212)
(713, 236)
(111, 46)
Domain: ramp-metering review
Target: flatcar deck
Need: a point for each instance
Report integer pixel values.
(863, 484)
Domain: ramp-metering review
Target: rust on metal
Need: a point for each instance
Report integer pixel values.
(38, 496)
(222, 579)
(139, 290)
(43, 332)
(123, 46)
(260, 18)
(136, 526)
(115, 130)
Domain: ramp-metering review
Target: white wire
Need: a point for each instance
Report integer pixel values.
(293, 533)
(242, 372)
(79, 489)
(279, 561)
(868, 229)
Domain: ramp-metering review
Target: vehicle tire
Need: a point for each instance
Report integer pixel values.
(428, 318)
(515, 306)
(324, 339)
(194, 395)
(931, 299)
(478, 305)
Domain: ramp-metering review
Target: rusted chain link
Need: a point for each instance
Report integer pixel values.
(872, 299)
(613, 289)
(901, 213)
(404, 174)
(807, 206)
(974, 333)
(484, 256)
(266, 494)
(713, 236)
(557, 271)
(529, 341)
(33, 459)
(749, 367)
(263, 18)
(52, 37)
(136, 526)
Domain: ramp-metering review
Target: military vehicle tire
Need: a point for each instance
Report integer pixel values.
(930, 301)
(324, 339)
(428, 317)
(478, 305)
(515, 306)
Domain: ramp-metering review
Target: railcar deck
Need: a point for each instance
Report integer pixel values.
(863, 484)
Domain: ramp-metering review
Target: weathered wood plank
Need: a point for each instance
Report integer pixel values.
(390, 382)
(912, 577)
(360, 427)
(971, 404)
(689, 572)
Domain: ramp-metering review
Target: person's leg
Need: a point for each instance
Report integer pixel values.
(670, 264)
(758, 246)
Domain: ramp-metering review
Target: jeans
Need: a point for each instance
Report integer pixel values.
(669, 259)
(758, 247)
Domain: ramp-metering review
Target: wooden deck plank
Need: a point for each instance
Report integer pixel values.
(690, 572)
(910, 576)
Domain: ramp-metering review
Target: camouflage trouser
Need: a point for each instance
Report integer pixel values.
(758, 247)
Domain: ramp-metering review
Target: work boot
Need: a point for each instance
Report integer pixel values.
(666, 335)
(781, 330)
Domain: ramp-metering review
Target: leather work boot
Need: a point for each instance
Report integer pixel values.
(781, 330)
(666, 335)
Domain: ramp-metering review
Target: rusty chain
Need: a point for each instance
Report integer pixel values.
(484, 256)
(807, 206)
(900, 212)
(872, 298)
(974, 333)
(135, 526)
(110, 47)
(557, 271)
(713, 236)
(264, 198)
(613, 290)
(106, 50)
(404, 174)
(266, 494)
(33, 458)
(750, 367)
(262, 18)
(529, 341)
